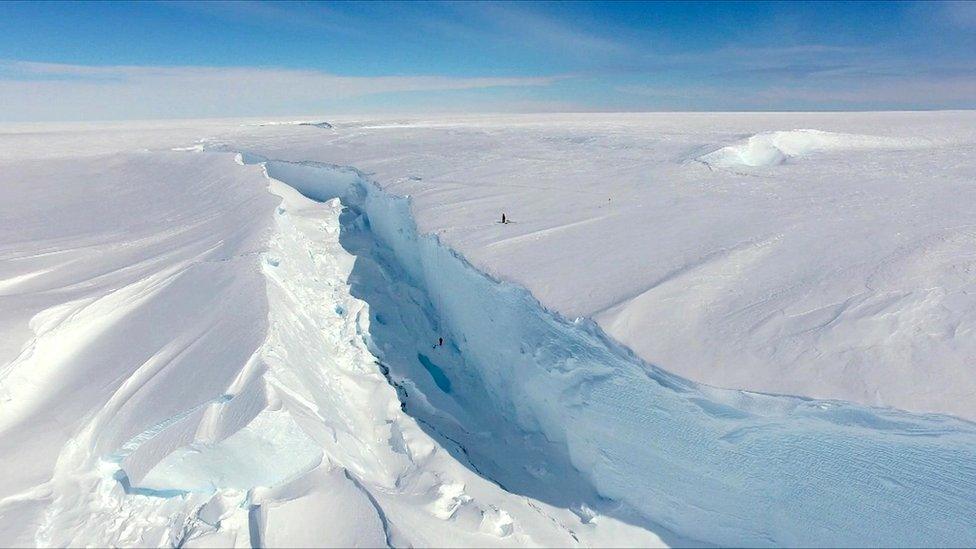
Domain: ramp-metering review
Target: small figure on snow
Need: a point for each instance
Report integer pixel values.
(504, 220)
(440, 342)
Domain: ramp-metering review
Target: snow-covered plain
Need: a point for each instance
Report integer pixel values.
(224, 332)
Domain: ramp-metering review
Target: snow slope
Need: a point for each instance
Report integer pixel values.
(839, 273)
(189, 359)
(724, 467)
(195, 370)
(112, 300)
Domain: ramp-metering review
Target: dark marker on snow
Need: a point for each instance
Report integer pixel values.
(503, 219)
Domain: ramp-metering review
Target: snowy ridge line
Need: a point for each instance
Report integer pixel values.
(135, 442)
(722, 466)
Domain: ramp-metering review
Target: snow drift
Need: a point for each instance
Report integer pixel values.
(773, 148)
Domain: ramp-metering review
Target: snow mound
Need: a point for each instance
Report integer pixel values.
(314, 123)
(774, 148)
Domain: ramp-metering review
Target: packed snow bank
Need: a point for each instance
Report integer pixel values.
(773, 148)
(721, 466)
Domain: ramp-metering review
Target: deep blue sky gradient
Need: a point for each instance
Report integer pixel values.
(601, 56)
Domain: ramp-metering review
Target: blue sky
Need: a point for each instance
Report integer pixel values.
(102, 60)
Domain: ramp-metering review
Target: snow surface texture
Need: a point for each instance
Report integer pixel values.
(194, 361)
(843, 272)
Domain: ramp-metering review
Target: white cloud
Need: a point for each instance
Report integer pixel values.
(43, 91)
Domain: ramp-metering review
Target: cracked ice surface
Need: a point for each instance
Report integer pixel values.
(190, 359)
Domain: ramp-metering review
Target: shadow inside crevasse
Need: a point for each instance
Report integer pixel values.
(446, 396)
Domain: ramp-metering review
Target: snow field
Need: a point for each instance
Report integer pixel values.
(838, 274)
(238, 369)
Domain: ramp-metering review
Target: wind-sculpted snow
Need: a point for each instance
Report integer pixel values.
(313, 123)
(773, 148)
(724, 467)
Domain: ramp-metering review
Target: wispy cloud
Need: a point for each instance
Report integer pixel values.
(734, 59)
(671, 92)
(508, 23)
(546, 29)
(845, 94)
(801, 76)
(288, 14)
(36, 91)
